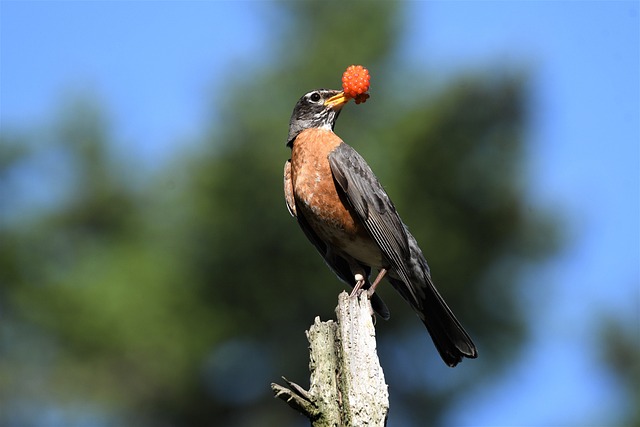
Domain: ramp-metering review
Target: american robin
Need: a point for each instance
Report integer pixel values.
(344, 211)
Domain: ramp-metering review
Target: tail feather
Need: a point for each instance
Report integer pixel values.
(451, 340)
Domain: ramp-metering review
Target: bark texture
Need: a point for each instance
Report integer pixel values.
(347, 382)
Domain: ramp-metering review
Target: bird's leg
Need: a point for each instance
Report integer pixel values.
(372, 289)
(359, 274)
(359, 284)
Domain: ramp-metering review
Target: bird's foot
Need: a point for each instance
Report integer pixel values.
(374, 285)
(357, 289)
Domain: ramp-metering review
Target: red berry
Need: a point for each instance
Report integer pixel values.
(355, 82)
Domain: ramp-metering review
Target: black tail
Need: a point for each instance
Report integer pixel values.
(451, 340)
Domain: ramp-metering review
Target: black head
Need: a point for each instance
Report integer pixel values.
(316, 109)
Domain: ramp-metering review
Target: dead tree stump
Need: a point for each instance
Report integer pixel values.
(347, 382)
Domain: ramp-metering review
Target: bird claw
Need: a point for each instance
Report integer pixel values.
(357, 289)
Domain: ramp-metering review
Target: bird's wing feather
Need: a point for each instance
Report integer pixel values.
(373, 206)
(288, 189)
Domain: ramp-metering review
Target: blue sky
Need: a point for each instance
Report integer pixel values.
(154, 64)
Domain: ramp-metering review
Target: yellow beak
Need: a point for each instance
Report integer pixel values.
(337, 101)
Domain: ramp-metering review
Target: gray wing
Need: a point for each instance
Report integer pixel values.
(372, 204)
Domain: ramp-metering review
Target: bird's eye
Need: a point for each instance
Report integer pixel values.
(315, 97)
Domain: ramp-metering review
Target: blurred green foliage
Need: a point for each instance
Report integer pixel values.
(621, 352)
(175, 299)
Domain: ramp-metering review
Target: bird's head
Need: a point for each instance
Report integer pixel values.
(316, 109)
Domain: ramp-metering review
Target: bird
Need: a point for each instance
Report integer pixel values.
(348, 216)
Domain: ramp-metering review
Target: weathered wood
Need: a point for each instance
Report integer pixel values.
(347, 382)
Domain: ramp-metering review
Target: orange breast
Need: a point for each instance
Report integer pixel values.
(318, 199)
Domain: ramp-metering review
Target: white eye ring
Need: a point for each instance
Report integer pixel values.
(315, 97)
